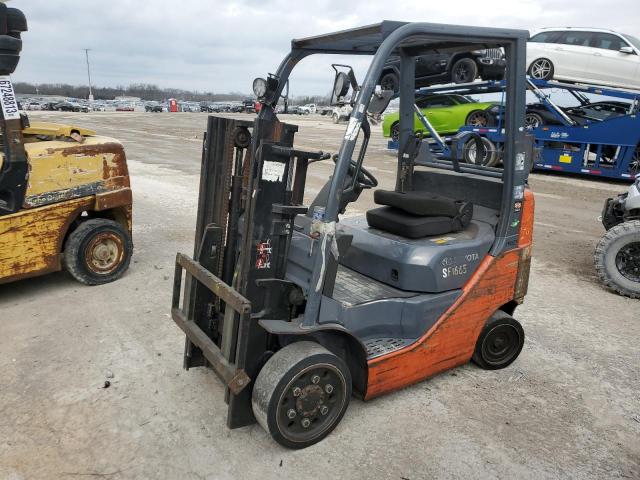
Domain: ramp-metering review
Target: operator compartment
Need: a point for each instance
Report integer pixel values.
(426, 242)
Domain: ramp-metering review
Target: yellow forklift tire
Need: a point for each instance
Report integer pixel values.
(98, 251)
(499, 343)
(301, 394)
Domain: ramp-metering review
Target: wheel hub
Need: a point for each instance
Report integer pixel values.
(478, 120)
(311, 402)
(540, 69)
(461, 72)
(500, 344)
(628, 261)
(104, 253)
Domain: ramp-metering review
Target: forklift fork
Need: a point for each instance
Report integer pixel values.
(231, 374)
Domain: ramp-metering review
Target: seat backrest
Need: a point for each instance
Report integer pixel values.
(424, 204)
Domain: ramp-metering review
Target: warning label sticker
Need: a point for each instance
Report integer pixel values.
(272, 171)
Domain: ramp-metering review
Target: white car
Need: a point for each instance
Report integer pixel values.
(312, 107)
(585, 55)
(341, 113)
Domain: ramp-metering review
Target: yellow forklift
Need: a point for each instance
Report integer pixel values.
(65, 197)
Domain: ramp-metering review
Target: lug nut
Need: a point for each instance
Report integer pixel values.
(291, 413)
(315, 379)
(324, 410)
(297, 392)
(305, 423)
(328, 388)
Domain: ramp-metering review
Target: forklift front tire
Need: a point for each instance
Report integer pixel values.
(499, 343)
(98, 251)
(301, 394)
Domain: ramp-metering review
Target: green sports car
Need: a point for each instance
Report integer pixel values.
(446, 113)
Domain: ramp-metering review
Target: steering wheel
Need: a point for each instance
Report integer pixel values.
(365, 178)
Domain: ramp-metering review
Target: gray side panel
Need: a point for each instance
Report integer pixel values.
(353, 288)
(299, 262)
(406, 318)
(433, 264)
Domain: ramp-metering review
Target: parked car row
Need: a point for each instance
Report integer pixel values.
(582, 55)
(586, 55)
(62, 106)
(448, 112)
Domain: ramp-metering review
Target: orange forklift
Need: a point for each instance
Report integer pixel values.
(296, 308)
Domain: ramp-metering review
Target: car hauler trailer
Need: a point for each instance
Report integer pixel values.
(295, 308)
(599, 139)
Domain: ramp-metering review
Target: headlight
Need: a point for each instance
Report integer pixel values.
(259, 87)
(495, 109)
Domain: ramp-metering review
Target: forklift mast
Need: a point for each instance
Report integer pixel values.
(238, 304)
(14, 168)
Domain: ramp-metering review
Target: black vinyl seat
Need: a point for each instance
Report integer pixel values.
(418, 214)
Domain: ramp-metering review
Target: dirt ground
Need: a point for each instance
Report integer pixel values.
(568, 408)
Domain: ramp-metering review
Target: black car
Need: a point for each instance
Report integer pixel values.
(437, 68)
(537, 114)
(156, 108)
(70, 107)
(296, 110)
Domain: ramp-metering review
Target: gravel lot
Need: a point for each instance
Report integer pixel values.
(569, 407)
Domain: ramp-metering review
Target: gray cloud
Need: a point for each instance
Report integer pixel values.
(222, 45)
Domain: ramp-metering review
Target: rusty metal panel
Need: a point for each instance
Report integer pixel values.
(61, 170)
(31, 240)
(113, 199)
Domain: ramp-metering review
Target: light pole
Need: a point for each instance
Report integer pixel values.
(86, 53)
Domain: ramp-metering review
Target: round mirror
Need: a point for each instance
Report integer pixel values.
(341, 85)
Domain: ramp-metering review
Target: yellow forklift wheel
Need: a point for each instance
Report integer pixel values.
(98, 251)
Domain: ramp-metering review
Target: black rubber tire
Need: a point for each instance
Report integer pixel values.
(533, 120)
(464, 70)
(490, 157)
(605, 258)
(390, 81)
(271, 390)
(80, 241)
(394, 132)
(479, 114)
(499, 326)
(538, 76)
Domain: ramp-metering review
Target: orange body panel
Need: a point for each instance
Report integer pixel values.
(451, 341)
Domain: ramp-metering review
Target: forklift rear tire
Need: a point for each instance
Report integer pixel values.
(499, 343)
(98, 251)
(301, 394)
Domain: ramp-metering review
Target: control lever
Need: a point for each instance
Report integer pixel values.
(302, 154)
(321, 156)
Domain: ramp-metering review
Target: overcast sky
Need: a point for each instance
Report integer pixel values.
(221, 46)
